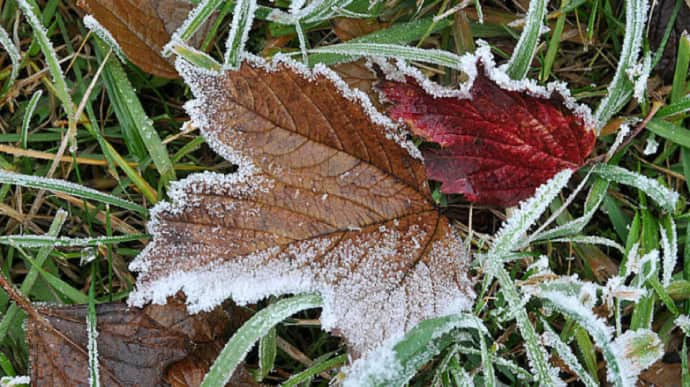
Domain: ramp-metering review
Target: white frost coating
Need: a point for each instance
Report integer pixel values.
(347, 277)
(669, 246)
(635, 350)
(620, 136)
(185, 26)
(11, 381)
(615, 288)
(638, 75)
(237, 38)
(379, 365)
(651, 147)
(469, 64)
(683, 322)
(88, 255)
(92, 24)
(92, 345)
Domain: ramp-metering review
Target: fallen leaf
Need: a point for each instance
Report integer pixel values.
(135, 346)
(325, 200)
(347, 28)
(142, 28)
(496, 146)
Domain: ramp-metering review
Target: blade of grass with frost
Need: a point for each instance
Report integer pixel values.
(40, 33)
(622, 371)
(256, 327)
(526, 47)
(595, 197)
(662, 195)
(554, 341)
(399, 33)
(242, 19)
(92, 333)
(395, 362)
(15, 58)
(669, 246)
(487, 364)
(36, 241)
(30, 108)
(192, 23)
(267, 353)
(507, 239)
(32, 276)
(516, 370)
(69, 188)
(131, 114)
(591, 240)
(194, 56)
(439, 57)
(306, 375)
(94, 26)
(620, 88)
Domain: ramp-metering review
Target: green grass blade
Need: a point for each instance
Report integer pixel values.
(69, 188)
(92, 24)
(680, 106)
(306, 375)
(32, 276)
(400, 34)
(564, 352)
(526, 47)
(356, 50)
(40, 33)
(554, 43)
(267, 353)
(195, 20)
(30, 108)
(662, 195)
(620, 88)
(131, 114)
(242, 19)
(194, 56)
(670, 131)
(15, 58)
(256, 327)
(680, 75)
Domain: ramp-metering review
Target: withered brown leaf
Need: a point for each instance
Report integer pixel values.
(325, 200)
(142, 28)
(135, 345)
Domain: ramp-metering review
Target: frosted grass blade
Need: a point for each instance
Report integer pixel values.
(92, 24)
(242, 19)
(195, 57)
(620, 88)
(662, 195)
(554, 341)
(35, 241)
(92, 334)
(69, 188)
(526, 47)
(131, 114)
(192, 23)
(258, 326)
(33, 274)
(30, 108)
(682, 105)
(356, 50)
(61, 89)
(15, 58)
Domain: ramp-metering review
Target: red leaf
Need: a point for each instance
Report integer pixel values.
(496, 147)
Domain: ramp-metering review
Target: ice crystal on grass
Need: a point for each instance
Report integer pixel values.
(328, 198)
(683, 322)
(11, 381)
(91, 23)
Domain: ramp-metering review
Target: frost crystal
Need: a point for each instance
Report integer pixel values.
(10, 381)
(683, 322)
(91, 23)
(651, 147)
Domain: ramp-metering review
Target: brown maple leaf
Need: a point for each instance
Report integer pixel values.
(135, 346)
(325, 200)
(143, 28)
